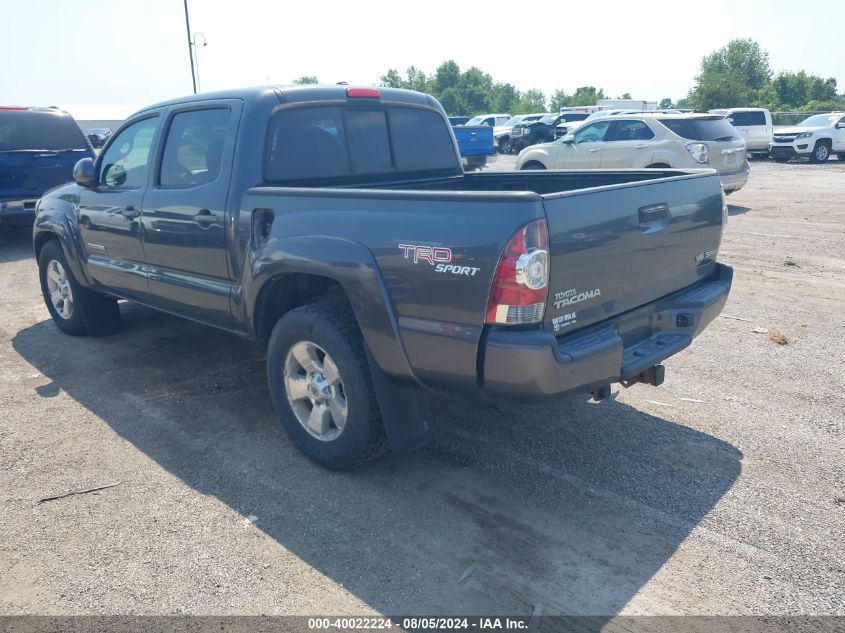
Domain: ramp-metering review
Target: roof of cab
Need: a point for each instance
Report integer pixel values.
(298, 93)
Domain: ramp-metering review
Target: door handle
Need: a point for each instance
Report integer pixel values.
(595, 149)
(130, 212)
(641, 146)
(654, 217)
(205, 217)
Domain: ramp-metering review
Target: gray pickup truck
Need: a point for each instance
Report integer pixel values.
(337, 225)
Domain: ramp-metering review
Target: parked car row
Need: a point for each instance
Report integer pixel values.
(816, 137)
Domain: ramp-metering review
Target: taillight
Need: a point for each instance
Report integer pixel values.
(363, 93)
(520, 286)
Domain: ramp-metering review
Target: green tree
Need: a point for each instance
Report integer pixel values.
(587, 95)
(789, 91)
(306, 79)
(505, 98)
(627, 95)
(392, 79)
(532, 101)
(476, 89)
(447, 75)
(558, 100)
(417, 80)
(665, 103)
(734, 75)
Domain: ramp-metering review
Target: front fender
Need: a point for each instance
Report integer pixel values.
(404, 405)
(55, 217)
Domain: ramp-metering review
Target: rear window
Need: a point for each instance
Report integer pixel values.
(346, 145)
(23, 129)
(747, 119)
(716, 129)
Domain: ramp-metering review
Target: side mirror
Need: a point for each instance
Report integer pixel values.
(83, 172)
(840, 125)
(568, 139)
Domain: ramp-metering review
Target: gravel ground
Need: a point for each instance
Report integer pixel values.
(722, 492)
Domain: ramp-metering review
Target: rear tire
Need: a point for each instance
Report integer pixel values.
(75, 310)
(781, 159)
(841, 156)
(533, 164)
(821, 152)
(321, 386)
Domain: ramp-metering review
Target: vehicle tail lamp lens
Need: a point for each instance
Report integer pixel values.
(363, 93)
(699, 152)
(520, 285)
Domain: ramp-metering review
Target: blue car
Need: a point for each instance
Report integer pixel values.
(38, 149)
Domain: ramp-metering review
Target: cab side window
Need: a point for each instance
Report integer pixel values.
(630, 131)
(193, 151)
(124, 164)
(592, 133)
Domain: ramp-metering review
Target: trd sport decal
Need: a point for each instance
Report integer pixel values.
(439, 257)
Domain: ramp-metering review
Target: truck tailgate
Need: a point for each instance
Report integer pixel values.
(617, 247)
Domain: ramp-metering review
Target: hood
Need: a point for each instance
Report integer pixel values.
(797, 130)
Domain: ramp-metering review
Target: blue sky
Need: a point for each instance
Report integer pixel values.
(135, 52)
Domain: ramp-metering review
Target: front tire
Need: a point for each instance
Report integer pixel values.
(321, 386)
(821, 152)
(75, 310)
(533, 164)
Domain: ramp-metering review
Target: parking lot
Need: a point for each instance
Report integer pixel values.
(723, 491)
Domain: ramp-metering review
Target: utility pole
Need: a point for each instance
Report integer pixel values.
(190, 48)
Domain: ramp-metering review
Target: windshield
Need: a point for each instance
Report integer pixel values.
(716, 129)
(514, 120)
(598, 114)
(820, 120)
(476, 120)
(24, 130)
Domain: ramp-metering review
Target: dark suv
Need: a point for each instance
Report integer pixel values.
(38, 149)
(541, 131)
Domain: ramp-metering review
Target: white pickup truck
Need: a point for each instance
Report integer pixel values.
(816, 138)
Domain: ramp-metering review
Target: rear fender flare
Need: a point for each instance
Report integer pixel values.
(403, 402)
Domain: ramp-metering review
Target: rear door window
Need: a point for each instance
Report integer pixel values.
(629, 131)
(52, 131)
(715, 129)
(193, 151)
(356, 145)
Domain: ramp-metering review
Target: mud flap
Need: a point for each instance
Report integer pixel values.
(406, 411)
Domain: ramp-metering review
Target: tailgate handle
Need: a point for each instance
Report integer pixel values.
(654, 217)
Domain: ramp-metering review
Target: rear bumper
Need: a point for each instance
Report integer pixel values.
(736, 180)
(16, 212)
(535, 364)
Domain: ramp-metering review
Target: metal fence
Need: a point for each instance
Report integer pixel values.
(793, 118)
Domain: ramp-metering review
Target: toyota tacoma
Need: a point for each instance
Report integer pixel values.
(336, 225)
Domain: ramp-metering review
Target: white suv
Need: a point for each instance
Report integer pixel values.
(816, 138)
(647, 140)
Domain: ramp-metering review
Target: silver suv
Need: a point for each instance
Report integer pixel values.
(647, 140)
